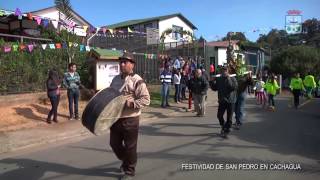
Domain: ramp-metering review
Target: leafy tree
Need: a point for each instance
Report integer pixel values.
(302, 59)
(64, 6)
(235, 36)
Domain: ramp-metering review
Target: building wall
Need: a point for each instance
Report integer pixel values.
(48, 14)
(166, 24)
(54, 14)
(222, 56)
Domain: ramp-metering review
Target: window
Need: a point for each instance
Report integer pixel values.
(176, 35)
(212, 60)
(149, 25)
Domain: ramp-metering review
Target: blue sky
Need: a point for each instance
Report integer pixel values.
(214, 18)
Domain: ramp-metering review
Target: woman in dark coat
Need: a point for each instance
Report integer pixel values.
(53, 91)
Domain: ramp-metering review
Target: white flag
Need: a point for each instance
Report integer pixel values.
(44, 46)
(55, 24)
(87, 48)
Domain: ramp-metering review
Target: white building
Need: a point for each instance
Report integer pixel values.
(157, 25)
(219, 56)
(55, 16)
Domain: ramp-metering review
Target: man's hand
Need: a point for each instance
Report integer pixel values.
(130, 104)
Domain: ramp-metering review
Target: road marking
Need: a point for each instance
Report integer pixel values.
(302, 104)
(306, 102)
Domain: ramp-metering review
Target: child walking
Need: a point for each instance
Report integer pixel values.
(261, 96)
(271, 87)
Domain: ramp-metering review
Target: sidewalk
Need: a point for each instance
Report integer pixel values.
(41, 133)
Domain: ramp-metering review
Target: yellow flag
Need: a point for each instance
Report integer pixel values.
(129, 30)
(70, 44)
(85, 28)
(111, 31)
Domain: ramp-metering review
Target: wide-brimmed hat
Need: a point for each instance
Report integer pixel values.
(127, 56)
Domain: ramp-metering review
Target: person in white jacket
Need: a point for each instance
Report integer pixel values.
(261, 95)
(176, 82)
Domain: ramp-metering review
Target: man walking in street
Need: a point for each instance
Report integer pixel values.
(124, 133)
(296, 86)
(227, 96)
(199, 87)
(309, 84)
(243, 83)
(71, 81)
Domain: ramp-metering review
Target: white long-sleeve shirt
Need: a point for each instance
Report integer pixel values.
(176, 79)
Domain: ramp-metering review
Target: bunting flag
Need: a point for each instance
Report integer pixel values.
(2, 13)
(29, 16)
(52, 46)
(38, 19)
(92, 29)
(7, 49)
(55, 24)
(44, 46)
(111, 31)
(17, 12)
(145, 56)
(71, 24)
(70, 44)
(15, 47)
(85, 28)
(82, 48)
(58, 45)
(20, 17)
(64, 45)
(45, 22)
(22, 47)
(30, 47)
(129, 30)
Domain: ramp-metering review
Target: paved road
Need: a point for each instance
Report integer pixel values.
(284, 136)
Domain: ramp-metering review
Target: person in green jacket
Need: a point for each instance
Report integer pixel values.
(309, 84)
(271, 88)
(72, 82)
(296, 86)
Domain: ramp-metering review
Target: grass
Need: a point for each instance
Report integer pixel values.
(155, 95)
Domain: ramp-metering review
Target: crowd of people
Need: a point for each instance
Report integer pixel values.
(232, 91)
(185, 76)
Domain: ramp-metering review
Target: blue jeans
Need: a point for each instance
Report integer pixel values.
(183, 91)
(165, 94)
(239, 107)
(54, 107)
(73, 98)
(177, 93)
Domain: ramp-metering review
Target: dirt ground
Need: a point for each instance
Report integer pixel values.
(29, 115)
(26, 115)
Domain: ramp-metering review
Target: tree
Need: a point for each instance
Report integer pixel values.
(235, 36)
(64, 7)
(302, 59)
(311, 27)
(311, 31)
(275, 39)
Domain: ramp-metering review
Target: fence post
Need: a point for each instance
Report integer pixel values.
(280, 83)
